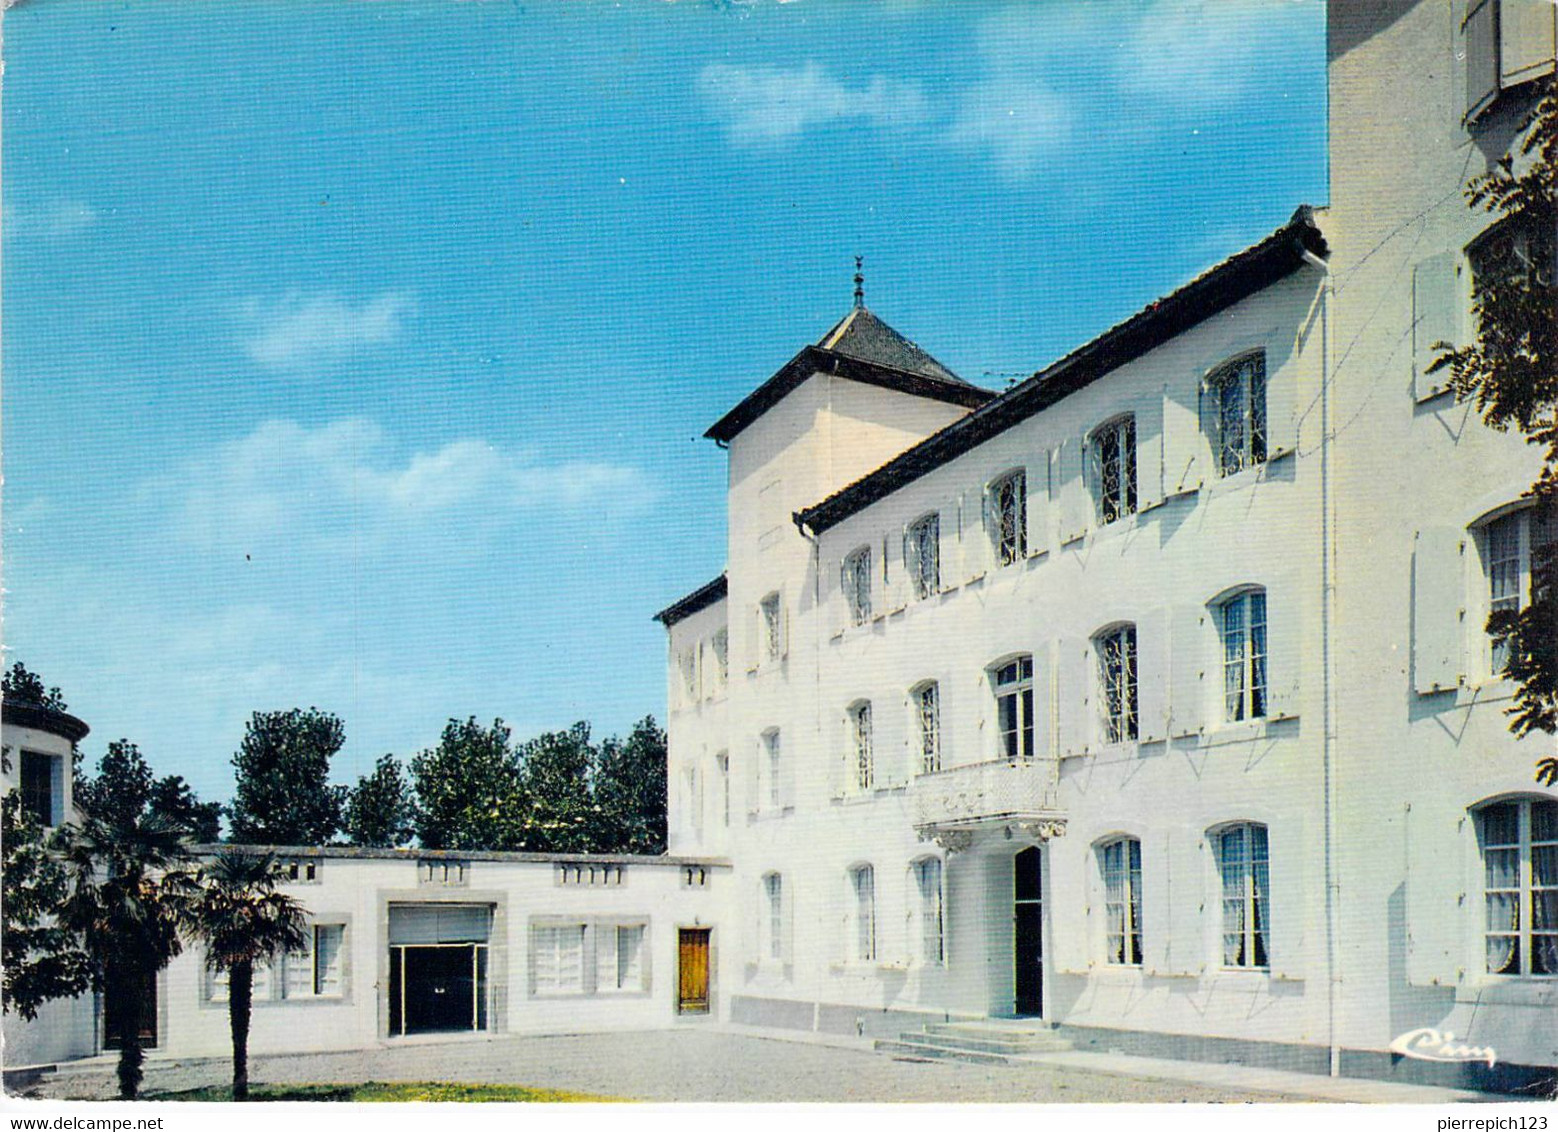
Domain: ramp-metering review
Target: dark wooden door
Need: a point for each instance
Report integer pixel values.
(146, 1025)
(692, 996)
(1028, 918)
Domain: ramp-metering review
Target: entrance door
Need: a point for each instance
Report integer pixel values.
(1028, 916)
(692, 996)
(146, 1024)
(438, 989)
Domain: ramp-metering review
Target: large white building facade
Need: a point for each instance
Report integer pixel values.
(1151, 698)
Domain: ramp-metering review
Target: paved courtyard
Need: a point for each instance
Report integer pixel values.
(681, 1065)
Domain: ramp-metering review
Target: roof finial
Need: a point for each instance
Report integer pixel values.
(860, 282)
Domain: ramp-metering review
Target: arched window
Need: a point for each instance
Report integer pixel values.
(1113, 450)
(860, 744)
(1510, 546)
(1012, 682)
(1241, 620)
(927, 933)
(773, 921)
(1006, 509)
(773, 768)
(925, 702)
(922, 555)
(1119, 861)
(1237, 390)
(855, 581)
(1244, 866)
(862, 888)
(1519, 843)
(1117, 694)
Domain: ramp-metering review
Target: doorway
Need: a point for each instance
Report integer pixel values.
(438, 968)
(146, 1025)
(692, 995)
(1028, 921)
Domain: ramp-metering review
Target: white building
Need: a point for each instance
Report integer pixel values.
(1150, 698)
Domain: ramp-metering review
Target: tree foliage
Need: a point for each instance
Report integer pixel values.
(630, 791)
(283, 796)
(467, 788)
(1510, 372)
(124, 789)
(379, 809)
(559, 814)
(41, 959)
(20, 685)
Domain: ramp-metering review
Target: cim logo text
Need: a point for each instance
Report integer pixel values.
(1429, 1044)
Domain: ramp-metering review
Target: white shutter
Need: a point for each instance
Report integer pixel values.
(1073, 695)
(1436, 317)
(1189, 652)
(1075, 506)
(1043, 704)
(1157, 896)
(1038, 502)
(1184, 446)
(1286, 629)
(1149, 454)
(1068, 862)
(1288, 398)
(1481, 53)
(1525, 39)
(1438, 609)
(755, 771)
(1436, 904)
(1152, 673)
(1288, 935)
(1187, 912)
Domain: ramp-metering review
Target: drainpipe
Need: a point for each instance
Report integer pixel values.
(1327, 661)
(816, 668)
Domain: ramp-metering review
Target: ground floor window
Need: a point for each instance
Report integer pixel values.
(927, 930)
(1244, 864)
(1121, 860)
(1520, 886)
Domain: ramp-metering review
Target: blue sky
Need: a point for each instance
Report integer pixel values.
(358, 354)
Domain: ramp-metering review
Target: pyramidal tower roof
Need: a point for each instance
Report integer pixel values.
(861, 335)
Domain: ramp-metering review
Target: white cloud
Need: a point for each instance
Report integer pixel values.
(1199, 54)
(288, 489)
(770, 105)
(302, 332)
(1015, 121)
(55, 220)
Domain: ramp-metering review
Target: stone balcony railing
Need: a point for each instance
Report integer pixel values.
(951, 805)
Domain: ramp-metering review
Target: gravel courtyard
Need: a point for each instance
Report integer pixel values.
(681, 1065)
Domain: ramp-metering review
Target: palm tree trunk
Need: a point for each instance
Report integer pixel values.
(125, 1006)
(240, 1000)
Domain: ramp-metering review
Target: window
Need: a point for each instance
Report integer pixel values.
(688, 663)
(926, 699)
(862, 884)
(219, 983)
(1116, 649)
(773, 931)
(927, 934)
(1243, 624)
(1014, 707)
(1242, 861)
(1120, 861)
(559, 958)
(922, 556)
(315, 971)
(1113, 449)
(860, 744)
(771, 615)
(37, 786)
(722, 761)
(1520, 886)
(620, 961)
(773, 766)
(1238, 405)
(855, 579)
(1510, 546)
(1007, 503)
(1505, 43)
(721, 647)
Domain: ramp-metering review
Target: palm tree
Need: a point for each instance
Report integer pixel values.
(123, 901)
(242, 920)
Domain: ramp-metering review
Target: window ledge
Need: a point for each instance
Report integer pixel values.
(1535, 990)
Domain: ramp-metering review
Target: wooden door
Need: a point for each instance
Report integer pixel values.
(692, 996)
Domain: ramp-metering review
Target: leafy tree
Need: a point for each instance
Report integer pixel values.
(379, 809)
(559, 814)
(630, 792)
(282, 796)
(40, 958)
(242, 920)
(468, 789)
(172, 798)
(20, 685)
(125, 893)
(124, 789)
(1511, 374)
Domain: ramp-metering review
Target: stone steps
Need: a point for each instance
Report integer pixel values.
(995, 1042)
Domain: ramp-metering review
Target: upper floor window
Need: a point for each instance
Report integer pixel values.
(1511, 545)
(722, 762)
(773, 921)
(855, 579)
(689, 668)
(1238, 394)
(720, 646)
(1007, 503)
(1013, 683)
(926, 701)
(1246, 893)
(773, 767)
(39, 796)
(860, 744)
(1120, 862)
(1113, 448)
(1504, 43)
(1520, 886)
(771, 627)
(927, 934)
(1116, 649)
(862, 883)
(922, 556)
(1242, 620)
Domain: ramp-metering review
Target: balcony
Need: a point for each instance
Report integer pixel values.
(951, 806)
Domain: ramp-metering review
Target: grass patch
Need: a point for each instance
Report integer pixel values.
(380, 1091)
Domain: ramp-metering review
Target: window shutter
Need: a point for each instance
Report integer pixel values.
(1067, 862)
(1481, 51)
(1288, 935)
(1157, 927)
(1287, 400)
(1071, 489)
(1285, 634)
(787, 946)
(1038, 502)
(1185, 448)
(1043, 705)
(1152, 669)
(1436, 905)
(1073, 696)
(1438, 609)
(755, 771)
(787, 760)
(1149, 454)
(1189, 650)
(784, 627)
(1189, 906)
(1526, 35)
(1436, 311)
